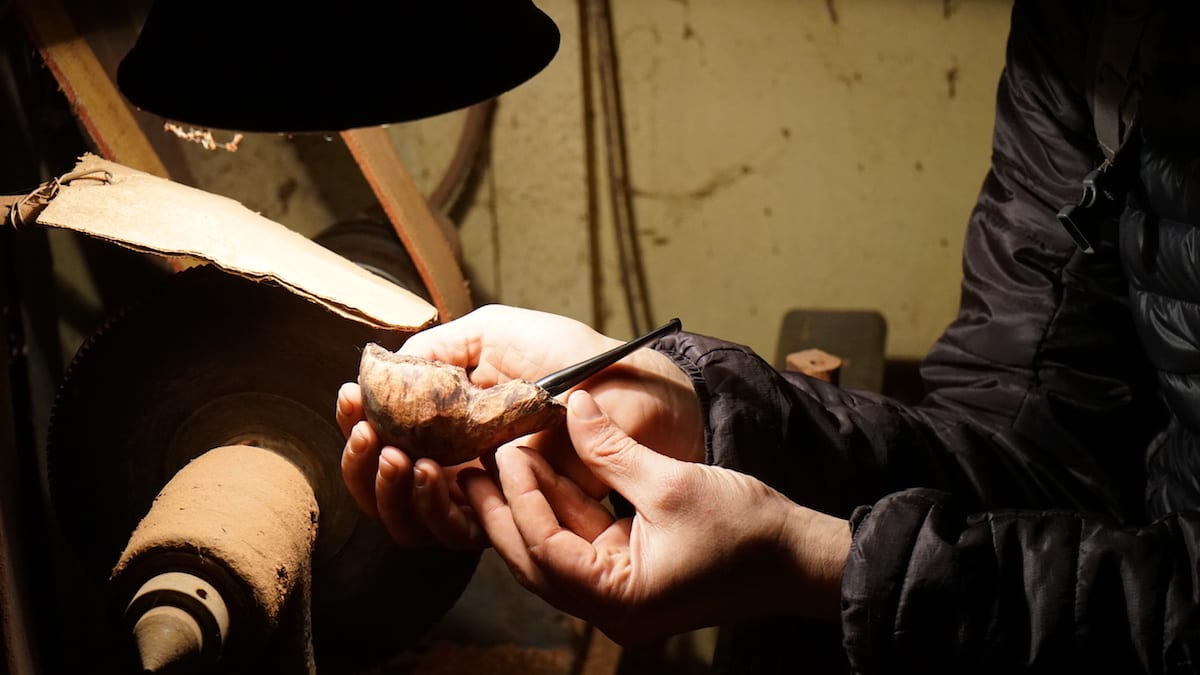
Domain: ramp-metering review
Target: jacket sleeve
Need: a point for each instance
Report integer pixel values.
(1008, 591)
(1038, 393)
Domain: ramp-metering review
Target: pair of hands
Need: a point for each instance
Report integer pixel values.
(422, 503)
(706, 545)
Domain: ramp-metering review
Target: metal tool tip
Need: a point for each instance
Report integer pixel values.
(167, 636)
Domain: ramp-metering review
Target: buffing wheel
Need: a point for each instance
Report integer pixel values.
(212, 360)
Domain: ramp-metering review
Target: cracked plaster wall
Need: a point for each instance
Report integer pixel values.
(782, 154)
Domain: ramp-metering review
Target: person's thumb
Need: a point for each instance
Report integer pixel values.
(628, 467)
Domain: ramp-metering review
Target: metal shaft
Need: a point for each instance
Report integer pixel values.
(559, 381)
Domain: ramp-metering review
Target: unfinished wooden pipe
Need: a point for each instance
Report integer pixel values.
(432, 409)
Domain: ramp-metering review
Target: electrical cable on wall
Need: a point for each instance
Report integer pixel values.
(587, 87)
(600, 52)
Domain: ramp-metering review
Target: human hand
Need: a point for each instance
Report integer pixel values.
(421, 503)
(418, 503)
(706, 546)
(647, 394)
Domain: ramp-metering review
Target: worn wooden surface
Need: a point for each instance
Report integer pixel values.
(431, 409)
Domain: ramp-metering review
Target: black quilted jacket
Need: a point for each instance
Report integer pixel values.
(1035, 511)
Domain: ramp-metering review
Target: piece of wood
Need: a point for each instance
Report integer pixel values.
(432, 409)
(815, 363)
(93, 96)
(858, 337)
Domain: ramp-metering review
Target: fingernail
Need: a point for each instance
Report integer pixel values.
(387, 470)
(583, 406)
(500, 456)
(465, 476)
(418, 477)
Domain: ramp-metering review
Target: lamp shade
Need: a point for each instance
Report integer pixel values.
(254, 65)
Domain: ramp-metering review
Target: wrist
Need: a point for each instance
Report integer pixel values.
(653, 400)
(816, 547)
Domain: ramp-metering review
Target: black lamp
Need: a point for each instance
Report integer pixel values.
(278, 66)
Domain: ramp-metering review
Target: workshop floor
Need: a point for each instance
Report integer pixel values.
(499, 628)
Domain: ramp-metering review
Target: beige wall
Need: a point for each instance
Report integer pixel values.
(783, 154)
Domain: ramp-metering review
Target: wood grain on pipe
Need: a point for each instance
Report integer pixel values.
(432, 409)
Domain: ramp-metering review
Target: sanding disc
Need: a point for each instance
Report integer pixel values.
(212, 360)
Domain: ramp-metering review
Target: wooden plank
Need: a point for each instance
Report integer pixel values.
(92, 94)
